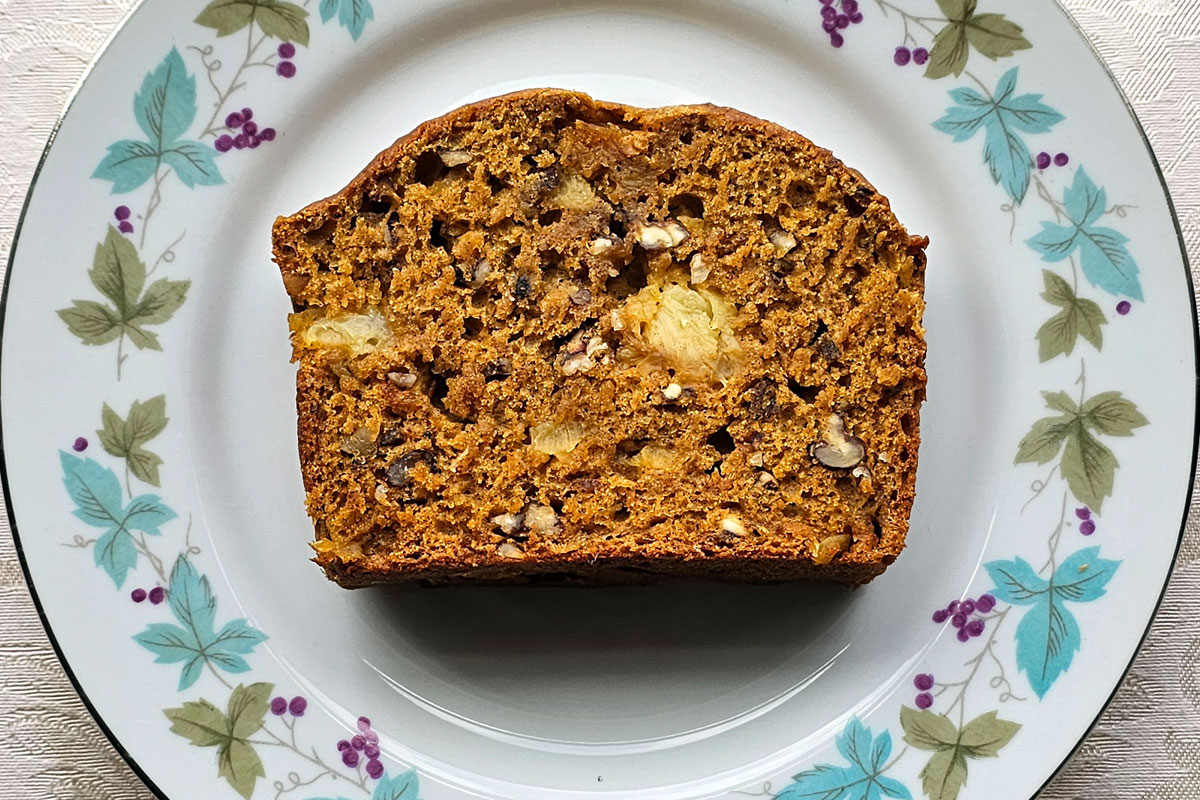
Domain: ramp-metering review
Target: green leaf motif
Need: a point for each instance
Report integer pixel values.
(1044, 441)
(275, 18)
(120, 275)
(205, 725)
(944, 775)
(1111, 414)
(1087, 464)
(124, 438)
(1089, 467)
(1079, 317)
(949, 53)
(992, 35)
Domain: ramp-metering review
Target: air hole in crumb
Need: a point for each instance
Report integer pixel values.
(428, 168)
(906, 424)
(854, 207)
(621, 514)
(438, 390)
(686, 137)
(904, 454)
(550, 217)
(721, 440)
(323, 234)
(800, 194)
(821, 330)
(845, 380)
(481, 298)
(806, 393)
(791, 511)
(472, 327)
(617, 227)
(436, 238)
(877, 528)
(629, 281)
(372, 206)
(667, 177)
(686, 205)
(732, 506)
(496, 184)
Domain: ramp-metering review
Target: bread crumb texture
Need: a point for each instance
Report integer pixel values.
(550, 339)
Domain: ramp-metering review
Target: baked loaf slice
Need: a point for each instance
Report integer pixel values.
(546, 338)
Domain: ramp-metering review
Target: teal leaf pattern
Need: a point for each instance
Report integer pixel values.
(1003, 115)
(1106, 262)
(96, 492)
(353, 15)
(195, 642)
(1048, 635)
(862, 779)
(405, 786)
(164, 109)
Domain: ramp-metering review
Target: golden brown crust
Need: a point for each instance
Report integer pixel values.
(810, 288)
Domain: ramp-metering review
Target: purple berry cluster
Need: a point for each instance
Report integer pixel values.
(1087, 525)
(155, 595)
(79, 445)
(903, 56)
(122, 213)
(1124, 307)
(834, 22)
(923, 682)
(1044, 160)
(366, 741)
(244, 132)
(296, 706)
(964, 615)
(286, 68)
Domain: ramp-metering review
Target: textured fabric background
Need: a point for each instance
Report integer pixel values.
(1147, 745)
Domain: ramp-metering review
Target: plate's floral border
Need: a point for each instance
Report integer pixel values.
(182, 131)
(953, 721)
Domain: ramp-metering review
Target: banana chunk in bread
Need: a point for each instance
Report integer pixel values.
(547, 338)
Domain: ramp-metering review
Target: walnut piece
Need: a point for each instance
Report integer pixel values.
(838, 449)
(454, 158)
(699, 269)
(510, 550)
(661, 237)
(734, 525)
(509, 523)
(541, 519)
(831, 546)
(405, 380)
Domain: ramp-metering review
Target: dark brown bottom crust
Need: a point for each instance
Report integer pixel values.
(617, 571)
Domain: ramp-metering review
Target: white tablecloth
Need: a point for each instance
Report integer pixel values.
(1146, 746)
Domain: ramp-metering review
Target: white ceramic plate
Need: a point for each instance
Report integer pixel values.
(149, 426)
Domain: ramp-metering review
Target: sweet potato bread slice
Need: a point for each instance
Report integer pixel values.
(546, 338)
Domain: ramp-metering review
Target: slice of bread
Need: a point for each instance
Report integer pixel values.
(546, 338)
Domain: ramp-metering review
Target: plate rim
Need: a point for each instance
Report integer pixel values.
(144, 776)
